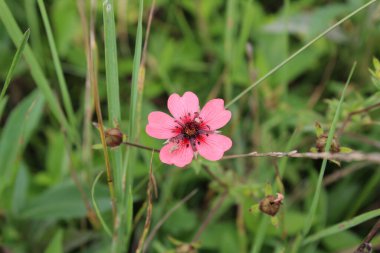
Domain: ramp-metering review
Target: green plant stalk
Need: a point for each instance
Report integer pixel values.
(315, 201)
(96, 208)
(16, 59)
(113, 100)
(57, 65)
(282, 64)
(33, 22)
(36, 71)
(342, 226)
(130, 156)
(112, 80)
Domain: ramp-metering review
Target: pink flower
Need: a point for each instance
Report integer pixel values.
(189, 131)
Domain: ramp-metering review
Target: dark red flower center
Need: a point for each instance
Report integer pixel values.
(190, 129)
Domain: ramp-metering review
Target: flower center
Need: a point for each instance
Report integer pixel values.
(190, 129)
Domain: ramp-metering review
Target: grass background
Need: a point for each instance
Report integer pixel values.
(215, 49)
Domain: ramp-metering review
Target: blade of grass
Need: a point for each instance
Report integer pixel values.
(100, 217)
(132, 131)
(32, 18)
(112, 78)
(119, 243)
(315, 201)
(57, 65)
(318, 189)
(93, 70)
(40, 79)
(15, 60)
(15, 135)
(342, 226)
(282, 64)
(88, 95)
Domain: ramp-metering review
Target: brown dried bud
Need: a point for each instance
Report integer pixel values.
(270, 204)
(321, 143)
(114, 137)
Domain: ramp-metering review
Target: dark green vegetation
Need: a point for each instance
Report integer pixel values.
(48, 199)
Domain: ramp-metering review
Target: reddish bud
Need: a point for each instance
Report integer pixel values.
(114, 137)
(321, 144)
(270, 204)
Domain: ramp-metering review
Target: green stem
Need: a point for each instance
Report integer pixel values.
(57, 65)
(279, 66)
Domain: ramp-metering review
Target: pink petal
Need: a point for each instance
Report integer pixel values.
(177, 154)
(160, 125)
(213, 146)
(214, 115)
(181, 106)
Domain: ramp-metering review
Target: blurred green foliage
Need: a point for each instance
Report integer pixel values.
(214, 48)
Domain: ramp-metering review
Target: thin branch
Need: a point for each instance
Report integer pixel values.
(362, 247)
(342, 173)
(351, 114)
(363, 139)
(216, 178)
(151, 187)
(210, 215)
(166, 216)
(347, 157)
(140, 146)
(151, 12)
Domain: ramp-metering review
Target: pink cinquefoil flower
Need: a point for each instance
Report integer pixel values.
(190, 131)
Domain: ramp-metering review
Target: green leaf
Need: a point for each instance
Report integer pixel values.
(345, 150)
(57, 64)
(20, 191)
(16, 59)
(55, 245)
(313, 150)
(344, 240)
(274, 220)
(254, 209)
(16, 134)
(342, 226)
(36, 71)
(268, 189)
(318, 129)
(62, 201)
(314, 205)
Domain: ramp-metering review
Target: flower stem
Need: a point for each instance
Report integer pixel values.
(140, 146)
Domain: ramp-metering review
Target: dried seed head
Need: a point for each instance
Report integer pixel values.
(270, 204)
(114, 137)
(321, 143)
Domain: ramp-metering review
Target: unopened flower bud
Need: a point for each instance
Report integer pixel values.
(321, 143)
(114, 137)
(270, 204)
